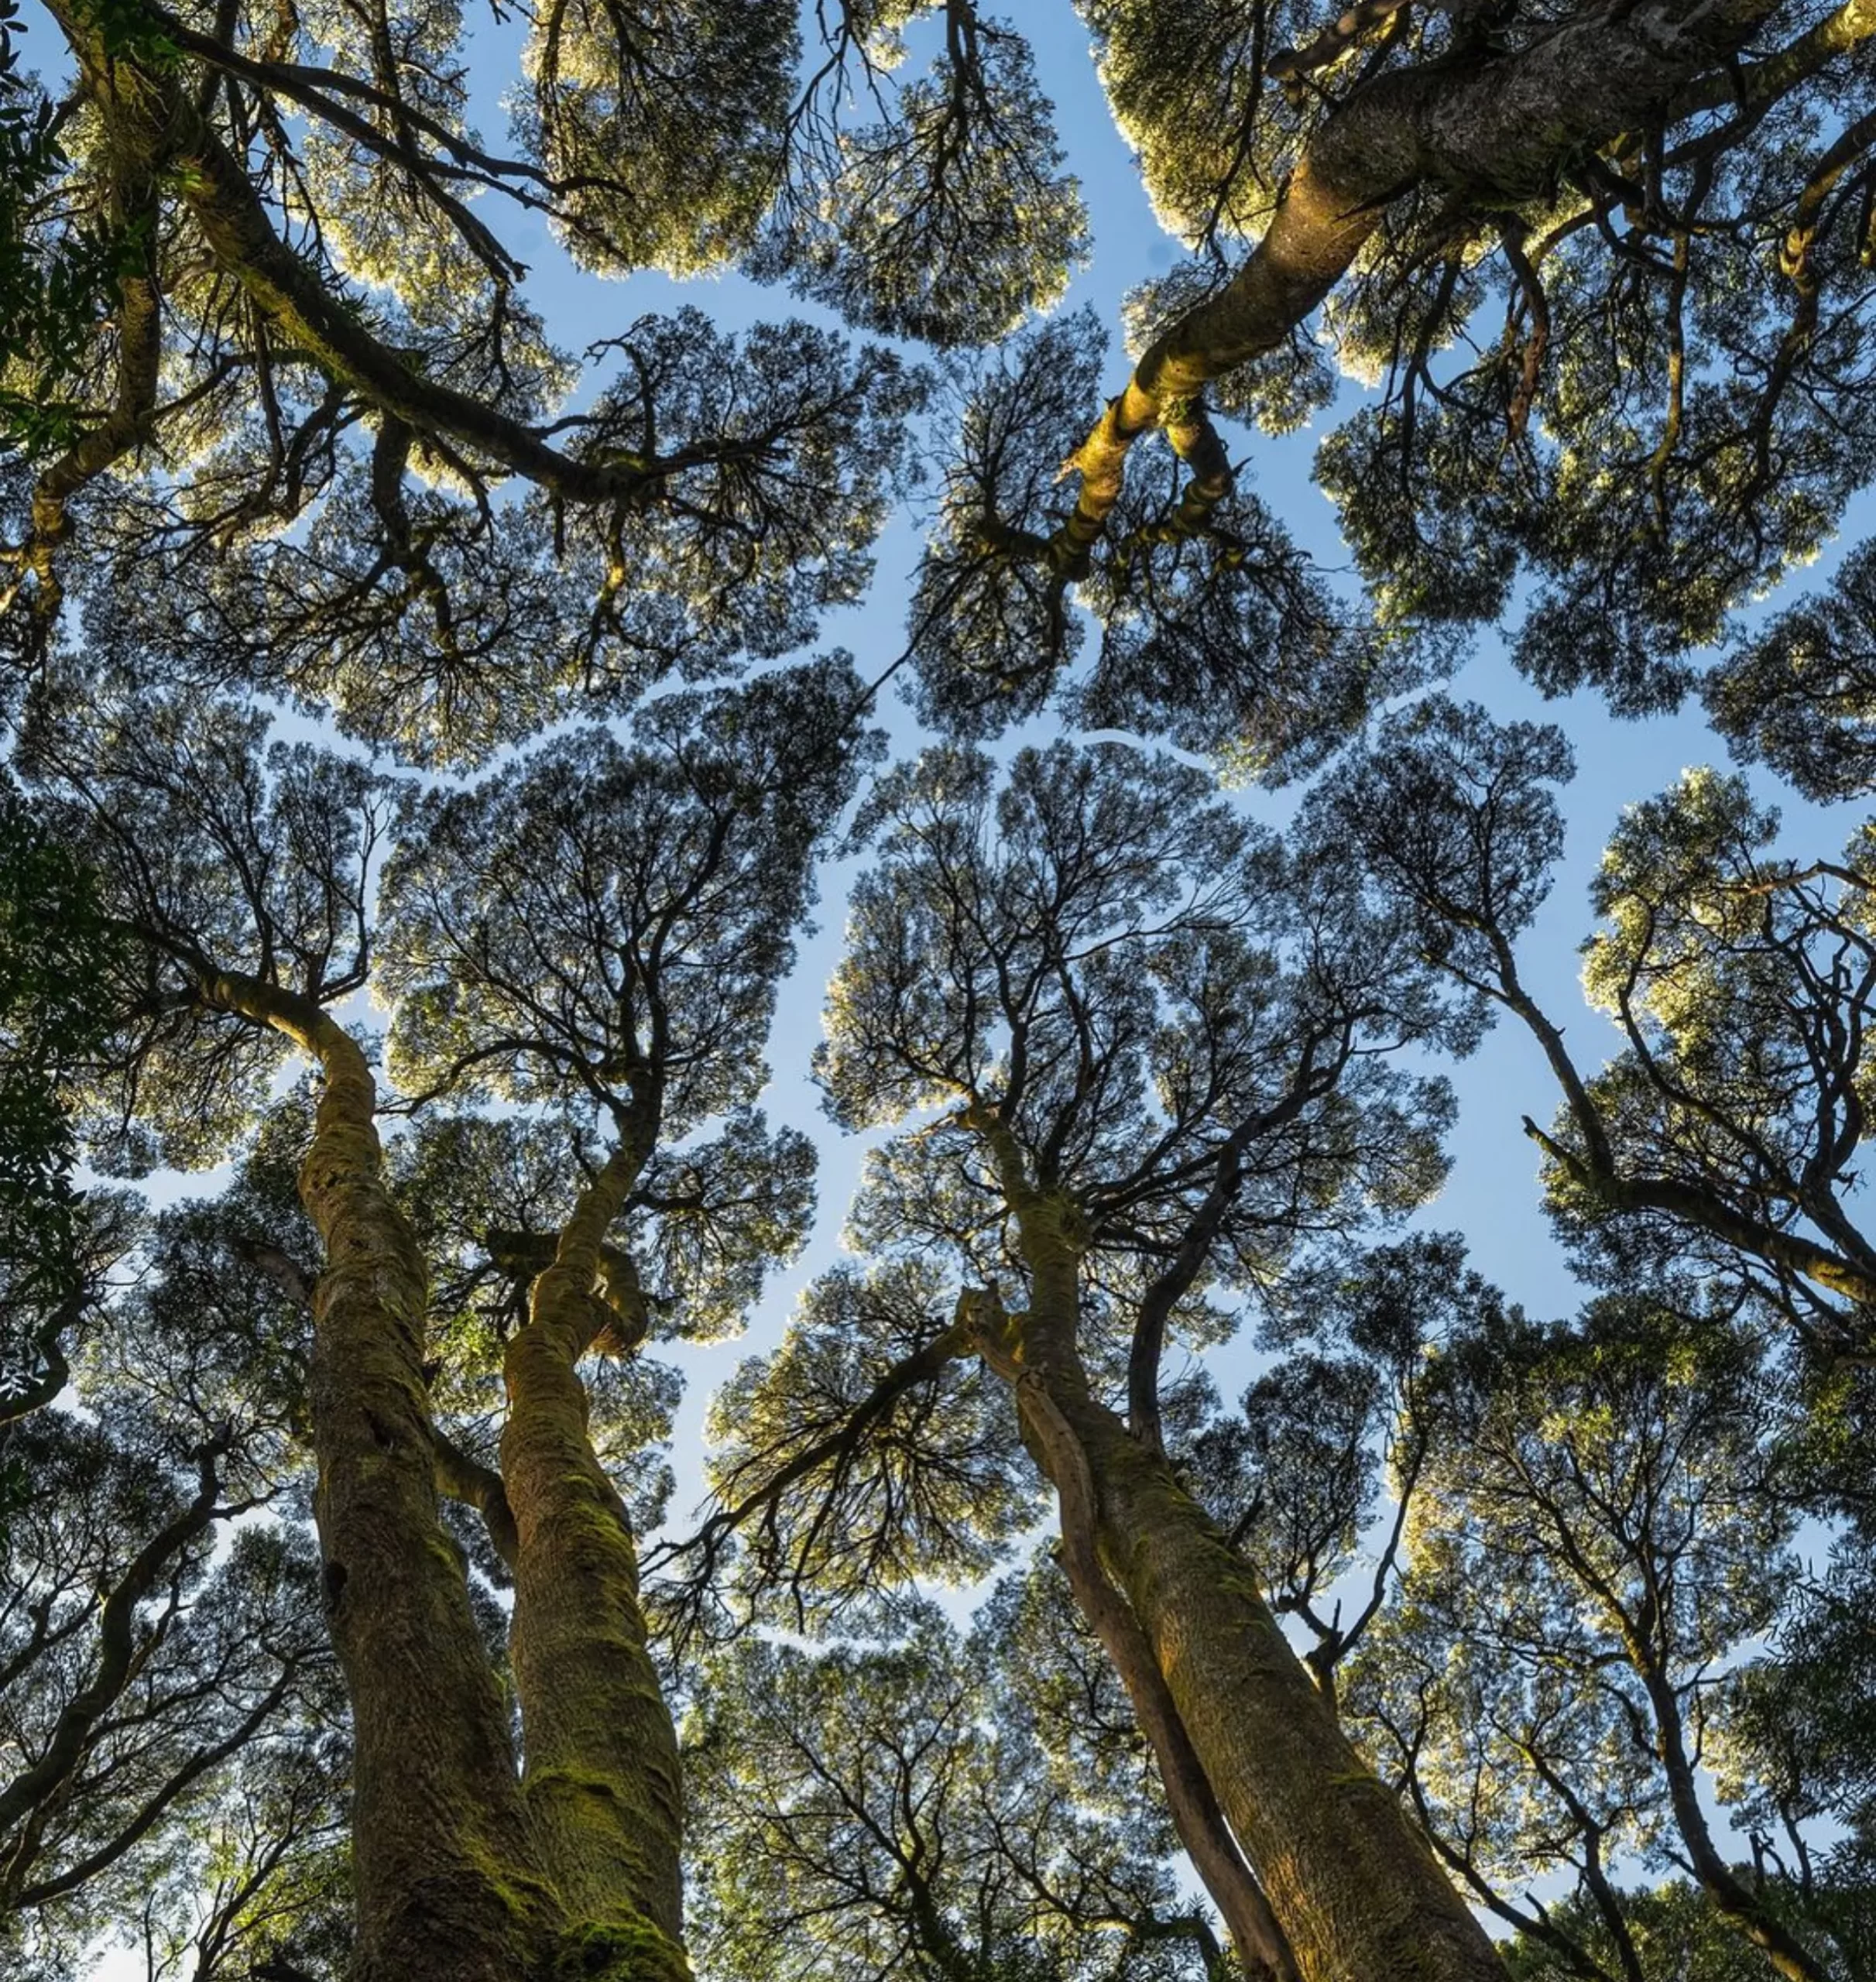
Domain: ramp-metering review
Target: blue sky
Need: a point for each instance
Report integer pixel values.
(1492, 1196)
(1492, 1192)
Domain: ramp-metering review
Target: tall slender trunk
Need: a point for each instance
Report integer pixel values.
(1731, 1896)
(449, 1887)
(601, 1761)
(1353, 1884)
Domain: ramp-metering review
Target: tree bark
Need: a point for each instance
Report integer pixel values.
(1262, 1951)
(448, 1881)
(601, 1774)
(1352, 1882)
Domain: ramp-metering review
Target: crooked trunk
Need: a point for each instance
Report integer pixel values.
(601, 1775)
(448, 1888)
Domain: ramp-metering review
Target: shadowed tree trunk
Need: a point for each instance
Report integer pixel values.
(449, 1885)
(1357, 1892)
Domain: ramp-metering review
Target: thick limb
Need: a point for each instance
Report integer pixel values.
(1501, 130)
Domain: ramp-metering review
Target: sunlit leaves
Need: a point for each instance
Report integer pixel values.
(1064, 1692)
(1216, 633)
(991, 625)
(1801, 695)
(975, 894)
(1124, 994)
(1669, 1928)
(1667, 422)
(773, 459)
(877, 1809)
(1743, 982)
(1596, 1534)
(427, 608)
(1185, 82)
(216, 852)
(54, 278)
(1276, 393)
(662, 122)
(1426, 559)
(55, 949)
(1228, 643)
(1797, 1743)
(1452, 812)
(1727, 1130)
(225, 1678)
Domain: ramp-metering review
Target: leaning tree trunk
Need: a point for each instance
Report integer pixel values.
(448, 1884)
(1500, 128)
(1353, 1885)
(1358, 1891)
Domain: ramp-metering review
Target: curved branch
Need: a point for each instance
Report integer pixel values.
(1499, 130)
(462, 1478)
(116, 1647)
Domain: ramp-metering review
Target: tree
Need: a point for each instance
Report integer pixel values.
(304, 436)
(1669, 1929)
(166, 1664)
(1161, 1045)
(886, 1810)
(1662, 200)
(1601, 1538)
(1480, 150)
(674, 873)
(1798, 697)
(1295, 1477)
(1557, 1646)
(1727, 1130)
(53, 942)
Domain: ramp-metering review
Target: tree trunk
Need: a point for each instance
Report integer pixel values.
(601, 1774)
(1352, 1882)
(1263, 1953)
(448, 1881)
(1731, 1898)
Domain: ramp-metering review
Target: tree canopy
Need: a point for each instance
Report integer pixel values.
(1139, 1543)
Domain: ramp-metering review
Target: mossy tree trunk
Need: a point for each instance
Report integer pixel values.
(1353, 1885)
(602, 1773)
(450, 1887)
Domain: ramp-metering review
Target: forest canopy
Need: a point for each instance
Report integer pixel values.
(552, 559)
